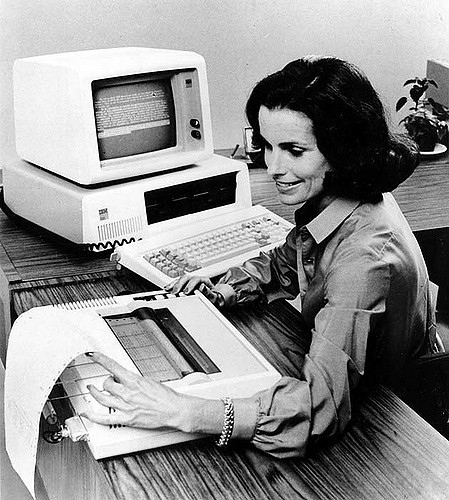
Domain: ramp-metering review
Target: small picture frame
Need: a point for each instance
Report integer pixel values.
(248, 141)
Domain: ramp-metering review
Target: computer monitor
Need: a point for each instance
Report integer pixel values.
(108, 115)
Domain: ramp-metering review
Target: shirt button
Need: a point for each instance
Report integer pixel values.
(304, 234)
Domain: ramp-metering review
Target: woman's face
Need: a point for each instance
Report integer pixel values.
(291, 154)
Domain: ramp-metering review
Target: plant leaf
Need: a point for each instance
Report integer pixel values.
(400, 103)
(433, 82)
(408, 82)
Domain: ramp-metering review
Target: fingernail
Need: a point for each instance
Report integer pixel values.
(89, 354)
(170, 285)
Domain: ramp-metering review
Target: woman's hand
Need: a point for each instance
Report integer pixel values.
(188, 284)
(138, 401)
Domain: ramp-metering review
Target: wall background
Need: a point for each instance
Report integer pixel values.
(241, 40)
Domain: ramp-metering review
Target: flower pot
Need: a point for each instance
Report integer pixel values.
(426, 141)
(422, 131)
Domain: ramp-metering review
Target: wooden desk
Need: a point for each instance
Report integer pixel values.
(386, 454)
(424, 196)
(388, 451)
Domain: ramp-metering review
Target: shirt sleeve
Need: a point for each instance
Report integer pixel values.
(269, 276)
(295, 413)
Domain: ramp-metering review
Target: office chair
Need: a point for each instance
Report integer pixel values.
(428, 393)
(429, 396)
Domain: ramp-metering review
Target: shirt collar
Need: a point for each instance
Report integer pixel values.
(329, 219)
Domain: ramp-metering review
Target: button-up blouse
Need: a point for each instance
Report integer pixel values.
(364, 292)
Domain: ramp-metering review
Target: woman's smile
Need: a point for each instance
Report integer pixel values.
(287, 187)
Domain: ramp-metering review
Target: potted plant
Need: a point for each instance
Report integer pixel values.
(426, 123)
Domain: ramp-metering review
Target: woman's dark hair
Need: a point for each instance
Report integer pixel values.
(349, 124)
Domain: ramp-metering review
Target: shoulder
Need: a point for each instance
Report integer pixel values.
(374, 237)
(371, 225)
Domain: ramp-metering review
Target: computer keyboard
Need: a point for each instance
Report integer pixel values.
(207, 247)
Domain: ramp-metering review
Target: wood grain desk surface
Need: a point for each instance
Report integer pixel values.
(424, 196)
(388, 451)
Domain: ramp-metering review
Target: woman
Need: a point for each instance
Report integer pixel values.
(352, 259)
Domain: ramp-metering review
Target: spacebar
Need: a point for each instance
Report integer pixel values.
(229, 255)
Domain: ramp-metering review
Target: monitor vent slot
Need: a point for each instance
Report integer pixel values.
(120, 228)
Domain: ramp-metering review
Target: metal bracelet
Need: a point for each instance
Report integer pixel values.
(228, 424)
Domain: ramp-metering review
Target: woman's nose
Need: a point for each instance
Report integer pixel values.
(274, 163)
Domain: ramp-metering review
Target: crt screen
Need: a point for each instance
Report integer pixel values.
(134, 116)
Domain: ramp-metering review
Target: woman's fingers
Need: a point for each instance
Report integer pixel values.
(105, 399)
(114, 388)
(113, 417)
(195, 282)
(177, 286)
(118, 371)
(188, 284)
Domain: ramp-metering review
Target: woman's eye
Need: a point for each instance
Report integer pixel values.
(296, 152)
